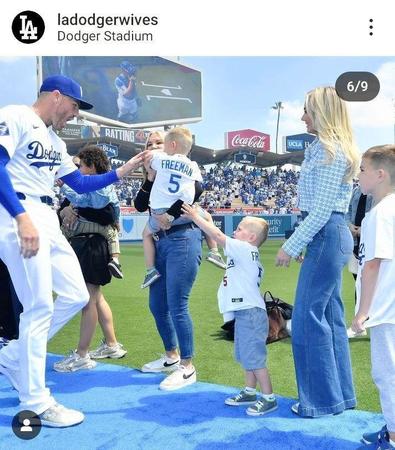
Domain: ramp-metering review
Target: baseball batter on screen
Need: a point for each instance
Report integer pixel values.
(37, 255)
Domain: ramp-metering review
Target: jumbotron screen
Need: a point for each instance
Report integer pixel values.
(133, 91)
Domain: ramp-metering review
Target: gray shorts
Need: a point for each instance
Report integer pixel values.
(251, 330)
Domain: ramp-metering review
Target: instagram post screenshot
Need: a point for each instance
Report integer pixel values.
(197, 226)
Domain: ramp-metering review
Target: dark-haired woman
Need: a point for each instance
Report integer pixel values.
(88, 241)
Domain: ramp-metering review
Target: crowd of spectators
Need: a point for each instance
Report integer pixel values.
(272, 190)
(235, 187)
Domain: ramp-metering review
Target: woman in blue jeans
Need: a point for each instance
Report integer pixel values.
(319, 337)
(178, 255)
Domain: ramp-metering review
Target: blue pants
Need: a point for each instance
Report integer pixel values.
(319, 337)
(178, 256)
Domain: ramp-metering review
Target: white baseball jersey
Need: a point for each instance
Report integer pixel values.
(175, 179)
(37, 153)
(378, 241)
(239, 288)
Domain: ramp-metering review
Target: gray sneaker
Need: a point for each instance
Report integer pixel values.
(261, 407)
(105, 351)
(57, 416)
(115, 269)
(150, 278)
(74, 362)
(216, 259)
(242, 398)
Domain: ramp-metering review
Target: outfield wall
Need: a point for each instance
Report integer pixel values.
(132, 225)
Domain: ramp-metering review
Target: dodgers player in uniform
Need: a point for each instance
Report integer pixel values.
(128, 100)
(37, 255)
(239, 298)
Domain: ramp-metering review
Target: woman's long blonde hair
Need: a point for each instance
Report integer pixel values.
(330, 120)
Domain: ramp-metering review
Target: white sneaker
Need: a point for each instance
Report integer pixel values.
(178, 379)
(351, 334)
(163, 364)
(57, 416)
(74, 362)
(105, 351)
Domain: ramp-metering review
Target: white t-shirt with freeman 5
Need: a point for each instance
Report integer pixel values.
(175, 179)
(239, 288)
(378, 241)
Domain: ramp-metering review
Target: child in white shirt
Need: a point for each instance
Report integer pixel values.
(239, 297)
(375, 283)
(174, 180)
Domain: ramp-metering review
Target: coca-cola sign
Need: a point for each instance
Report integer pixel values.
(247, 138)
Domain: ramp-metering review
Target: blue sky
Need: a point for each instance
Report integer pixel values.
(238, 93)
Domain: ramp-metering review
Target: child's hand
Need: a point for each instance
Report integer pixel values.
(358, 322)
(188, 211)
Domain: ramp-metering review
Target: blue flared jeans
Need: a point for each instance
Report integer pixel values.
(178, 256)
(319, 337)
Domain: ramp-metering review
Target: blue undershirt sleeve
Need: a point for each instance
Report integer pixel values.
(88, 183)
(8, 197)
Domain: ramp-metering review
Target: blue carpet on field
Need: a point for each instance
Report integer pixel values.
(125, 410)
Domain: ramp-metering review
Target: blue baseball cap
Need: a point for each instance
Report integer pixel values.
(67, 87)
(128, 67)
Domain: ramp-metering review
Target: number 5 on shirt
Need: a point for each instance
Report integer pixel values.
(175, 181)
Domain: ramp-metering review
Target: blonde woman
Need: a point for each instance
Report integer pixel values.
(319, 337)
(178, 256)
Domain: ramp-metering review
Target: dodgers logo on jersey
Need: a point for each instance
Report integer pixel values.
(4, 130)
(50, 158)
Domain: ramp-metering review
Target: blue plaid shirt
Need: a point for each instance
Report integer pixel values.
(321, 191)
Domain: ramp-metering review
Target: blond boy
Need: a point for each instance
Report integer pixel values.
(375, 283)
(174, 180)
(239, 297)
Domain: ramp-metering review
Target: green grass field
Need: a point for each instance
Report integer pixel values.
(214, 356)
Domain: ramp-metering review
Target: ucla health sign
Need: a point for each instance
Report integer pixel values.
(298, 142)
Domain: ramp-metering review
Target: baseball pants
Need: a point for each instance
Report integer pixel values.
(54, 268)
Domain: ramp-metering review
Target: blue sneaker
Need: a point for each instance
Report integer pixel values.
(369, 438)
(383, 443)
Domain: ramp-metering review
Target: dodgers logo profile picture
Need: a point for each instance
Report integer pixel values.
(28, 27)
